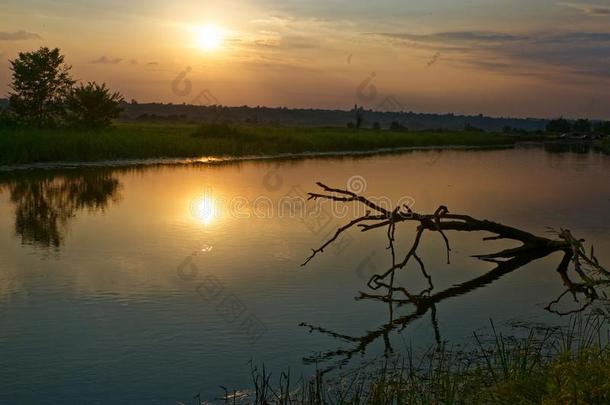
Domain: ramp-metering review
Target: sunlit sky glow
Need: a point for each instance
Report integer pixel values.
(504, 58)
(208, 37)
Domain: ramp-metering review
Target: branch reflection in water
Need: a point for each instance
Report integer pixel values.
(577, 264)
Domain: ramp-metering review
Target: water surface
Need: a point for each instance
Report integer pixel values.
(154, 284)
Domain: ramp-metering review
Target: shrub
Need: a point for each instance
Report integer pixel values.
(221, 131)
(581, 378)
(7, 120)
(397, 126)
(471, 128)
(582, 125)
(559, 125)
(603, 127)
(93, 106)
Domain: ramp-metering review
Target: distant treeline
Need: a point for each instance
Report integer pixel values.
(321, 118)
(580, 126)
(283, 116)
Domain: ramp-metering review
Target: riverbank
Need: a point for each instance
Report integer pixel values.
(546, 365)
(170, 141)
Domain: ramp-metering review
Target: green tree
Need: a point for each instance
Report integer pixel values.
(471, 128)
(603, 127)
(397, 126)
(93, 106)
(559, 125)
(359, 116)
(41, 81)
(582, 125)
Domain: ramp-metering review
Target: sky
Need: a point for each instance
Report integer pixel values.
(535, 58)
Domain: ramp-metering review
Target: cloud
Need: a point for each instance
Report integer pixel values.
(267, 42)
(278, 63)
(273, 42)
(575, 52)
(589, 9)
(18, 36)
(104, 60)
(276, 20)
(299, 42)
(475, 39)
(459, 37)
(597, 11)
(556, 55)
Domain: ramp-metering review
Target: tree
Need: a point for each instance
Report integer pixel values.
(471, 128)
(582, 125)
(359, 116)
(603, 127)
(41, 81)
(559, 125)
(397, 126)
(93, 106)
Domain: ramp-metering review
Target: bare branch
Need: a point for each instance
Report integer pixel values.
(586, 266)
(338, 233)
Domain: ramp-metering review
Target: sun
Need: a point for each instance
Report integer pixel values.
(209, 37)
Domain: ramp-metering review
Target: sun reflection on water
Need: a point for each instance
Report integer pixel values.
(204, 209)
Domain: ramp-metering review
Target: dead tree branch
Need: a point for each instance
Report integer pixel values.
(586, 267)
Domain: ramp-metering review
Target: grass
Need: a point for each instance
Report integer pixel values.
(144, 141)
(548, 366)
(606, 146)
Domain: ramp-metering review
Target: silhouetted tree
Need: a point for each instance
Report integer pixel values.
(397, 126)
(582, 125)
(93, 106)
(603, 127)
(40, 84)
(359, 115)
(472, 128)
(559, 125)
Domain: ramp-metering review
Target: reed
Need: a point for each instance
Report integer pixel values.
(148, 140)
(549, 365)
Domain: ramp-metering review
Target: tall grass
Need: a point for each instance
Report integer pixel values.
(142, 141)
(548, 366)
